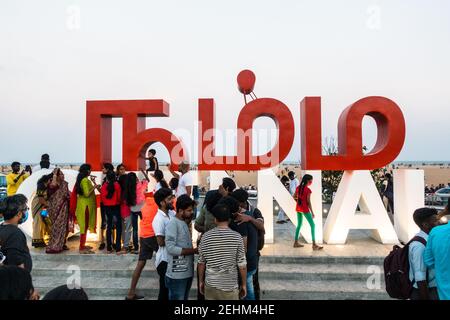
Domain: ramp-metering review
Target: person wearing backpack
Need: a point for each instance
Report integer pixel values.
(437, 256)
(405, 271)
(423, 278)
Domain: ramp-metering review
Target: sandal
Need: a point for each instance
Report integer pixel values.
(298, 245)
(86, 251)
(317, 248)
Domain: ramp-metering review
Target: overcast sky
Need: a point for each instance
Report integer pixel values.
(56, 54)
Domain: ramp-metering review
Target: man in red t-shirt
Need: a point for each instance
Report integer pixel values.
(303, 197)
(148, 244)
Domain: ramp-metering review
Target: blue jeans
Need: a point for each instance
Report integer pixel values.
(250, 288)
(178, 288)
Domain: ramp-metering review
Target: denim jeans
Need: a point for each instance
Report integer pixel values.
(112, 212)
(250, 288)
(126, 231)
(178, 288)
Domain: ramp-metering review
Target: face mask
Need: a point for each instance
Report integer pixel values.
(24, 217)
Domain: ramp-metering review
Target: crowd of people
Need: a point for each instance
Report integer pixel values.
(231, 232)
(433, 189)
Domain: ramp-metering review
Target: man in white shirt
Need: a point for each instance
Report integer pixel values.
(423, 278)
(293, 182)
(185, 180)
(163, 198)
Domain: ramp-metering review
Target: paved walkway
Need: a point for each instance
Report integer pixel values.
(359, 244)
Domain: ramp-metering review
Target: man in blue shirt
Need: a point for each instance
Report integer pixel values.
(437, 256)
(423, 278)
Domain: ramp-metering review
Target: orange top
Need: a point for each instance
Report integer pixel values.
(149, 211)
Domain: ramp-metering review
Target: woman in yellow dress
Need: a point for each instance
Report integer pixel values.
(86, 209)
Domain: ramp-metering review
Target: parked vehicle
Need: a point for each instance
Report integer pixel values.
(443, 195)
(2, 186)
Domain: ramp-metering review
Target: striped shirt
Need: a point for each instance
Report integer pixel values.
(222, 250)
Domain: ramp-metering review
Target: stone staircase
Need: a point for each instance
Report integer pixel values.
(107, 277)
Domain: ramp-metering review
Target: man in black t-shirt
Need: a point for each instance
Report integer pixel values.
(13, 242)
(249, 222)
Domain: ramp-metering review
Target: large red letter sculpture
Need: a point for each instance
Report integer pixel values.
(136, 139)
(244, 160)
(391, 135)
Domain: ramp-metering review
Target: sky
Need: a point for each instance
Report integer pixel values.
(57, 54)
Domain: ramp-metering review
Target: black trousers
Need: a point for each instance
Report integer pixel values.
(163, 291)
(113, 216)
(135, 225)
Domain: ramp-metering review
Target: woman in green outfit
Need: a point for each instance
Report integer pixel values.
(303, 197)
(86, 210)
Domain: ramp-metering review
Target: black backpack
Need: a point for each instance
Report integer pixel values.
(396, 271)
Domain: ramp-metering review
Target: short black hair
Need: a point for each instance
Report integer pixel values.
(16, 283)
(173, 183)
(45, 156)
(108, 166)
(228, 184)
(240, 195)
(231, 203)
(291, 174)
(212, 200)
(184, 202)
(15, 163)
(64, 293)
(152, 151)
(422, 215)
(161, 194)
(221, 212)
(10, 206)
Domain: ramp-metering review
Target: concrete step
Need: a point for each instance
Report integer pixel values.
(117, 288)
(277, 271)
(319, 258)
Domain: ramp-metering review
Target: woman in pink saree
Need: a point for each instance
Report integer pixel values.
(58, 211)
